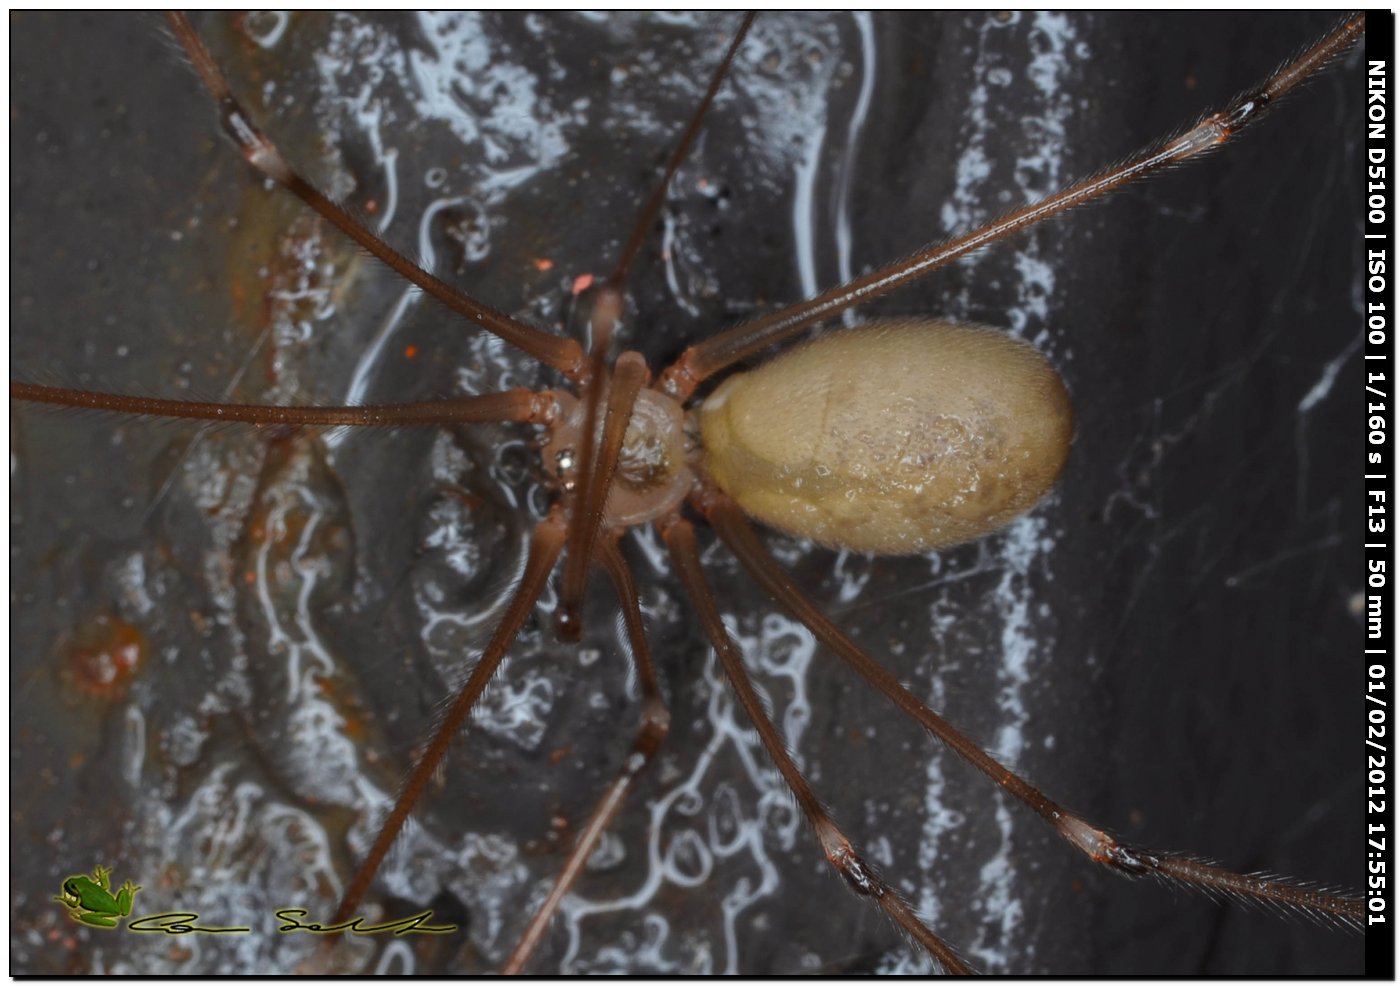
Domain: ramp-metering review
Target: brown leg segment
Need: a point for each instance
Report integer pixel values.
(598, 465)
(512, 405)
(736, 532)
(679, 536)
(658, 194)
(560, 352)
(545, 545)
(656, 722)
(707, 358)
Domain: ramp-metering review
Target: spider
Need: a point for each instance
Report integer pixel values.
(211, 749)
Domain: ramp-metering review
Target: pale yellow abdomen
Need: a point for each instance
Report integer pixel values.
(894, 437)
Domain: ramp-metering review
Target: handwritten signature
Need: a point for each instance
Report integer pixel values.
(183, 923)
(176, 923)
(414, 923)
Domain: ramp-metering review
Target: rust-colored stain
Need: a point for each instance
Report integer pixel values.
(469, 499)
(103, 656)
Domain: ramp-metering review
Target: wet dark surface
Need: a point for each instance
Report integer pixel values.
(1183, 609)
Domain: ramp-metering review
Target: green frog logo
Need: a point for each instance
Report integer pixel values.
(90, 901)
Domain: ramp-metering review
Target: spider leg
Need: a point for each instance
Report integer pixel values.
(612, 395)
(511, 405)
(559, 352)
(735, 531)
(679, 537)
(545, 545)
(707, 358)
(656, 722)
(596, 469)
